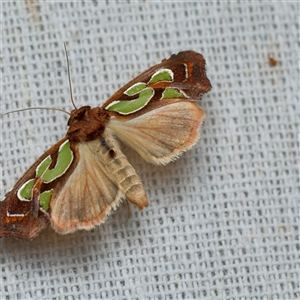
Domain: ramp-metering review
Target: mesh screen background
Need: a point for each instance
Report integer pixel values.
(223, 219)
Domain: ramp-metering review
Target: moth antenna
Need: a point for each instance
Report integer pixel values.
(49, 108)
(46, 108)
(69, 76)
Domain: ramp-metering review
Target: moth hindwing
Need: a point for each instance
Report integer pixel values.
(83, 177)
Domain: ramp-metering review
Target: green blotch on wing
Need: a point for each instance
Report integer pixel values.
(172, 93)
(162, 75)
(43, 166)
(45, 198)
(135, 89)
(64, 160)
(127, 107)
(25, 190)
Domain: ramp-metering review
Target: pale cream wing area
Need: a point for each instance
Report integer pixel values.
(163, 133)
(101, 179)
(86, 198)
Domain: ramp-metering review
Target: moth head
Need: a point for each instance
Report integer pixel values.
(78, 115)
(86, 124)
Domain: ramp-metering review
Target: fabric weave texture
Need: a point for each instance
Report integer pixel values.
(223, 220)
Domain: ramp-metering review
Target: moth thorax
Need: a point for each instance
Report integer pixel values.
(87, 124)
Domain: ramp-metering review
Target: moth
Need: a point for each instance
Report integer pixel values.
(81, 179)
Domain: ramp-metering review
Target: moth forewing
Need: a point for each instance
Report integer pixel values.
(164, 132)
(18, 215)
(189, 72)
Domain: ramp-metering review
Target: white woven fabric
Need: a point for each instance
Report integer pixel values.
(223, 220)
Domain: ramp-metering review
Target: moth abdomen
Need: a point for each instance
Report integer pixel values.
(131, 184)
(122, 172)
(110, 151)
